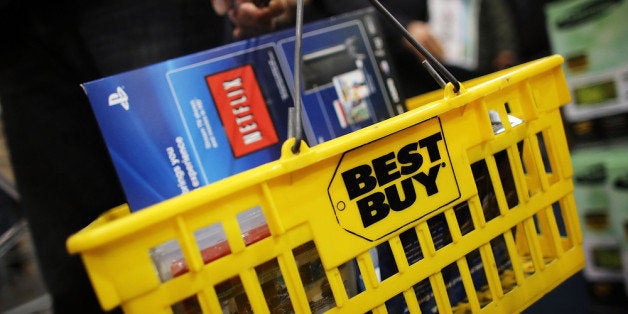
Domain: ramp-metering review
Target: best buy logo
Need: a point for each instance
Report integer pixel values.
(380, 187)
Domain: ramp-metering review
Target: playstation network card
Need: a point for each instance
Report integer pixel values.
(183, 123)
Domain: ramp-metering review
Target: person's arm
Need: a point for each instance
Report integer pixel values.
(423, 34)
(413, 16)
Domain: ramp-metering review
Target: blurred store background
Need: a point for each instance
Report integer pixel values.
(592, 35)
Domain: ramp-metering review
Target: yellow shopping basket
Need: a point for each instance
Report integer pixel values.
(470, 193)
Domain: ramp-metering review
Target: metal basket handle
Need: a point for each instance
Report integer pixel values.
(295, 120)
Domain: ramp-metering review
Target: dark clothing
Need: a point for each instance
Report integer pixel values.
(63, 172)
(531, 28)
(496, 34)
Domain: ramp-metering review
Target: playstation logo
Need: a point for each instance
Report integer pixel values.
(119, 98)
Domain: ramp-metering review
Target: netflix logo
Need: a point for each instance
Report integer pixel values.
(242, 109)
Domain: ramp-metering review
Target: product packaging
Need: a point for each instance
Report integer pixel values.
(591, 35)
(600, 174)
(231, 293)
(184, 123)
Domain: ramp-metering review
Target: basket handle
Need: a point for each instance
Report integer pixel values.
(295, 119)
(429, 61)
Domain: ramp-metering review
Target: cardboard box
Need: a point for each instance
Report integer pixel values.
(183, 123)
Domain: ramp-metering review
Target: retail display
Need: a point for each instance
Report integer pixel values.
(600, 192)
(591, 35)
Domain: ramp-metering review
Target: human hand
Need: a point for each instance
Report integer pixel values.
(248, 18)
(422, 33)
(504, 59)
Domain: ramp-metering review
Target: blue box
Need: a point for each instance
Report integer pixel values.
(181, 124)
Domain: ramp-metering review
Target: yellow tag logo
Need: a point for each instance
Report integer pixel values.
(380, 187)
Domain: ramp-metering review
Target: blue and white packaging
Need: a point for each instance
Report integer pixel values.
(186, 122)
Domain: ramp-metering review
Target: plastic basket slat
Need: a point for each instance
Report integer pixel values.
(306, 199)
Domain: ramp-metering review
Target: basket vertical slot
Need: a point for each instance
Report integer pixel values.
(526, 105)
(342, 282)
(230, 296)
(425, 296)
(425, 241)
(549, 234)
(542, 161)
(504, 261)
(534, 245)
(440, 231)
(189, 246)
(508, 195)
(207, 306)
(293, 281)
(403, 253)
(366, 267)
(395, 257)
(253, 286)
(489, 266)
(523, 249)
(473, 303)
(486, 191)
(558, 211)
(411, 301)
(519, 172)
(452, 223)
(516, 261)
(569, 215)
(476, 211)
(322, 289)
(478, 277)
(213, 299)
(459, 293)
(495, 194)
(556, 146)
(466, 222)
(439, 291)
(400, 254)
(529, 166)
